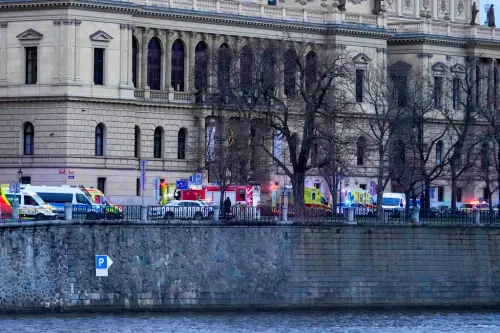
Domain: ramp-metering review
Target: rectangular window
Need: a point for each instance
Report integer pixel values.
(400, 89)
(360, 79)
(459, 194)
(271, 2)
(99, 66)
(486, 193)
(438, 91)
(26, 180)
(31, 75)
(138, 187)
(456, 93)
(441, 193)
(362, 186)
(101, 184)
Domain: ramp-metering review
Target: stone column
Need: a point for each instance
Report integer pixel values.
(417, 8)
(452, 10)
(68, 51)
(399, 6)
(129, 56)
(144, 60)
(191, 56)
(434, 9)
(170, 37)
(77, 50)
(491, 82)
(140, 56)
(473, 79)
(56, 77)
(3, 53)
(201, 142)
(124, 54)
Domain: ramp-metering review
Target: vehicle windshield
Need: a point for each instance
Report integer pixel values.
(390, 201)
(37, 198)
(202, 203)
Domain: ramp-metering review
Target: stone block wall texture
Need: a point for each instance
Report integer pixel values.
(165, 267)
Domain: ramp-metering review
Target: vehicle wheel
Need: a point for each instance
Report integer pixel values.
(91, 216)
(40, 217)
(198, 216)
(169, 216)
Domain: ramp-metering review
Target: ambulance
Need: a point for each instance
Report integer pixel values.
(99, 198)
(31, 206)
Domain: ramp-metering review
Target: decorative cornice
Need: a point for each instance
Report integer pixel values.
(57, 22)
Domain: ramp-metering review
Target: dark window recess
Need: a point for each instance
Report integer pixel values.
(290, 71)
(158, 143)
(400, 89)
(99, 140)
(181, 144)
(438, 91)
(26, 180)
(134, 61)
(360, 78)
(138, 187)
(271, 2)
(31, 65)
(456, 93)
(137, 141)
(201, 69)
(486, 193)
(441, 193)
(29, 137)
(98, 66)
(101, 184)
(362, 186)
(459, 194)
(154, 64)
(311, 71)
(177, 66)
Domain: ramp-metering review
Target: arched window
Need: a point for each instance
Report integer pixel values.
(28, 139)
(201, 68)
(289, 72)
(181, 144)
(246, 70)
(154, 64)
(223, 71)
(134, 61)
(439, 152)
(99, 140)
(361, 150)
(137, 142)
(178, 65)
(158, 143)
(311, 69)
(268, 73)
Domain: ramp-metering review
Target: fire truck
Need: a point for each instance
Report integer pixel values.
(247, 195)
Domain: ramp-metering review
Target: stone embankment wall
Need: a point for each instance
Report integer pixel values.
(234, 267)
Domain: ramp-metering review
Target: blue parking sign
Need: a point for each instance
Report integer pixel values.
(101, 262)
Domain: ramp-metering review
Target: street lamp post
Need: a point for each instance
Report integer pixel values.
(20, 175)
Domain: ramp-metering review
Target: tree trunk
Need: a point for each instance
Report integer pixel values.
(334, 192)
(454, 188)
(408, 193)
(380, 193)
(298, 188)
(427, 198)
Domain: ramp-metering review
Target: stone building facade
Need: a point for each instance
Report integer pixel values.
(89, 88)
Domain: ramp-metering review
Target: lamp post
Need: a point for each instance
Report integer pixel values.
(20, 175)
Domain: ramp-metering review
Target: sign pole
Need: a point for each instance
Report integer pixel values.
(143, 180)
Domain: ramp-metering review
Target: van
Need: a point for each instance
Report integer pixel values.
(394, 202)
(31, 206)
(98, 197)
(58, 196)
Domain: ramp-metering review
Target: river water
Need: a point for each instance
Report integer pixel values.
(260, 322)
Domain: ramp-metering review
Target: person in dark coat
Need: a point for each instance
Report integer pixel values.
(227, 207)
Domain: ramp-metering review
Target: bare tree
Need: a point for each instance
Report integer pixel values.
(287, 87)
(382, 110)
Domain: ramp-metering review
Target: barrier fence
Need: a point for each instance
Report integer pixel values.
(264, 214)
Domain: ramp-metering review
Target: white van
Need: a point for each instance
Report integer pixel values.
(394, 201)
(31, 205)
(58, 196)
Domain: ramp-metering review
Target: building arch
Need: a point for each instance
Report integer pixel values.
(154, 63)
(28, 139)
(158, 142)
(181, 144)
(100, 139)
